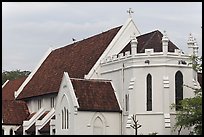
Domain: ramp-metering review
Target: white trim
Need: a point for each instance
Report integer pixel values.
(116, 96)
(111, 45)
(5, 83)
(142, 66)
(29, 123)
(72, 93)
(32, 73)
(41, 123)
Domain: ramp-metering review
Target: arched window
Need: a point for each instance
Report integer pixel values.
(62, 119)
(67, 119)
(178, 89)
(98, 126)
(2, 131)
(11, 131)
(149, 92)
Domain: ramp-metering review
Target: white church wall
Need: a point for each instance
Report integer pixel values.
(45, 102)
(162, 69)
(7, 129)
(67, 100)
(84, 123)
(151, 123)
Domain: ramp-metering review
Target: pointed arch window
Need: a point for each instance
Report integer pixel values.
(178, 89)
(11, 131)
(149, 92)
(65, 118)
(62, 119)
(98, 126)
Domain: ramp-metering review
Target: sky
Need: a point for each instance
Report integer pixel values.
(29, 29)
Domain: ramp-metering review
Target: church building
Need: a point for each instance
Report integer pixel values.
(94, 86)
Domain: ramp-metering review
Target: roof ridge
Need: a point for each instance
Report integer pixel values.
(94, 80)
(89, 37)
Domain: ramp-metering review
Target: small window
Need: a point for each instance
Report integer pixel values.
(127, 102)
(52, 102)
(11, 131)
(67, 119)
(149, 92)
(39, 103)
(62, 119)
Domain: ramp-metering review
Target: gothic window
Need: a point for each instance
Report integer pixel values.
(65, 118)
(39, 103)
(52, 103)
(127, 102)
(149, 92)
(98, 126)
(178, 89)
(11, 131)
(62, 119)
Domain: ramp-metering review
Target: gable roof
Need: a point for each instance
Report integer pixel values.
(11, 107)
(77, 59)
(10, 87)
(95, 95)
(14, 112)
(152, 40)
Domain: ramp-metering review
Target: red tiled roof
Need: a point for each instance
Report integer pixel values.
(94, 95)
(77, 59)
(150, 40)
(14, 112)
(30, 116)
(45, 128)
(12, 86)
(31, 130)
(19, 131)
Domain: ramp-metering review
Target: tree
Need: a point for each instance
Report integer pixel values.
(14, 74)
(190, 114)
(136, 125)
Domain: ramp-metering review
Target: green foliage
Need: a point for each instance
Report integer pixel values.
(190, 114)
(14, 74)
(196, 63)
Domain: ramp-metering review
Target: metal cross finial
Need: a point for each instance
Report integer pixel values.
(129, 11)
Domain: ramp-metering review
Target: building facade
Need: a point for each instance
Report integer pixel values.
(95, 85)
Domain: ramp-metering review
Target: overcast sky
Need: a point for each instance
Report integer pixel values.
(30, 28)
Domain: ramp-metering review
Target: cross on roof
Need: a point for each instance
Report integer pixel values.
(129, 11)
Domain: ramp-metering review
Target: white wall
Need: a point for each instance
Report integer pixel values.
(160, 67)
(45, 102)
(7, 129)
(84, 122)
